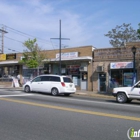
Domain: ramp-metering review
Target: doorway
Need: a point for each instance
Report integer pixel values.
(102, 82)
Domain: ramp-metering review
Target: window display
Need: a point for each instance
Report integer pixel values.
(121, 77)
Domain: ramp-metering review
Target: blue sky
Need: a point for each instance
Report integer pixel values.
(84, 22)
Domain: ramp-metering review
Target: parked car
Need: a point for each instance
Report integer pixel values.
(54, 84)
(127, 94)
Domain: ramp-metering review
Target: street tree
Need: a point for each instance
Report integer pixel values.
(33, 55)
(122, 34)
(138, 31)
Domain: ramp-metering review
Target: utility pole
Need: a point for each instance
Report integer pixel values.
(2, 40)
(60, 45)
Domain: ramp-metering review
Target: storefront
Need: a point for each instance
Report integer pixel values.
(113, 67)
(121, 74)
(9, 66)
(9, 69)
(74, 66)
(75, 62)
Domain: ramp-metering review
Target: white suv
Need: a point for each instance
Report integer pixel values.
(127, 94)
(54, 84)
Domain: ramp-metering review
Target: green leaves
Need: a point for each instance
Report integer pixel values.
(121, 35)
(32, 63)
(32, 55)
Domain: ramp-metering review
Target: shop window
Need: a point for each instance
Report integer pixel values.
(121, 77)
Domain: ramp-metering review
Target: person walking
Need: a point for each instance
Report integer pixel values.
(18, 77)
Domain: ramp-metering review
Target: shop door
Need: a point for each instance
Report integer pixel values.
(84, 81)
(102, 82)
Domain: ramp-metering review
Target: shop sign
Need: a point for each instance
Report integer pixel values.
(73, 69)
(11, 56)
(67, 55)
(2, 56)
(121, 65)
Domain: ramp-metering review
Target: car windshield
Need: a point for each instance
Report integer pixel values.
(67, 80)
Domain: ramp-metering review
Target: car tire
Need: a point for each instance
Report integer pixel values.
(27, 89)
(54, 91)
(121, 98)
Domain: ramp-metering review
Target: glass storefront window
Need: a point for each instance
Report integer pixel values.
(121, 78)
(9, 71)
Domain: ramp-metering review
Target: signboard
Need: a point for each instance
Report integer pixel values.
(128, 79)
(2, 56)
(67, 55)
(10, 56)
(73, 69)
(121, 65)
(15, 82)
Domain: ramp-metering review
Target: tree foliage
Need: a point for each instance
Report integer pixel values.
(138, 31)
(33, 54)
(121, 35)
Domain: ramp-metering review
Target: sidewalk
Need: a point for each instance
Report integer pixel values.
(78, 92)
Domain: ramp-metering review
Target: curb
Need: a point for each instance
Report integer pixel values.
(82, 93)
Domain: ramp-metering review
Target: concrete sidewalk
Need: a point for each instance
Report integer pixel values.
(78, 92)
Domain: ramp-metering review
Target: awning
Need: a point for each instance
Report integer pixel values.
(8, 62)
(87, 58)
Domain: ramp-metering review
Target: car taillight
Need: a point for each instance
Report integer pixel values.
(63, 84)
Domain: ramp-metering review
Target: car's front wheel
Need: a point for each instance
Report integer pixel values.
(27, 89)
(54, 92)
(121, 98)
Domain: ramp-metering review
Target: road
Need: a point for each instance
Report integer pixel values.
(44, 117)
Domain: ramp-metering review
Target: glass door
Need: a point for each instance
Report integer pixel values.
(102, 82)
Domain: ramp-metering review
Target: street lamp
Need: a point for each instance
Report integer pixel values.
(133, 49)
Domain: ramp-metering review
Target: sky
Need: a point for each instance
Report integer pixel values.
(83, 22)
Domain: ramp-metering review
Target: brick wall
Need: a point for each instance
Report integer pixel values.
(108, 55)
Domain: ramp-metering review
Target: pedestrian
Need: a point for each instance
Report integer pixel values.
(18, 77)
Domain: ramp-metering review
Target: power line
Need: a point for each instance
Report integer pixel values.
(14, 39)
(26, 34)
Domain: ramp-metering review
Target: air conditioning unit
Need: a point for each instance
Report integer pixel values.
(83, 69)
(99, 69)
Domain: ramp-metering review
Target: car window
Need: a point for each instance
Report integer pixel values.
(67, 80)
(138, 85)
(38, 79)
(55, 79)
(45, 78)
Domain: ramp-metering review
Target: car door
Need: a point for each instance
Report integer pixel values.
(36, 83)
(55, 82)
(135, 91)
(45, 83)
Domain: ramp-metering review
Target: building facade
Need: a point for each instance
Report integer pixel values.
(113, 67)
(75, 62)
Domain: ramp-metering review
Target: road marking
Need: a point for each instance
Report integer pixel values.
(91, 101)
(73, 110)
(1, 96)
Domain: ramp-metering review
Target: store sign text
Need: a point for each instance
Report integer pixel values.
(121, 65)
(10, 56)
(2, 56)
(68, 55)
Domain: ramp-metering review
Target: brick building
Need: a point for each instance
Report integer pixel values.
(113, 67)
(75, 62)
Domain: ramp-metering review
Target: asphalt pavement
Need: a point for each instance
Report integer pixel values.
(78, 92)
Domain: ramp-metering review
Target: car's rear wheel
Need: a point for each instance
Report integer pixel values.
(54, 92)
(27, 89)
(121, 98)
